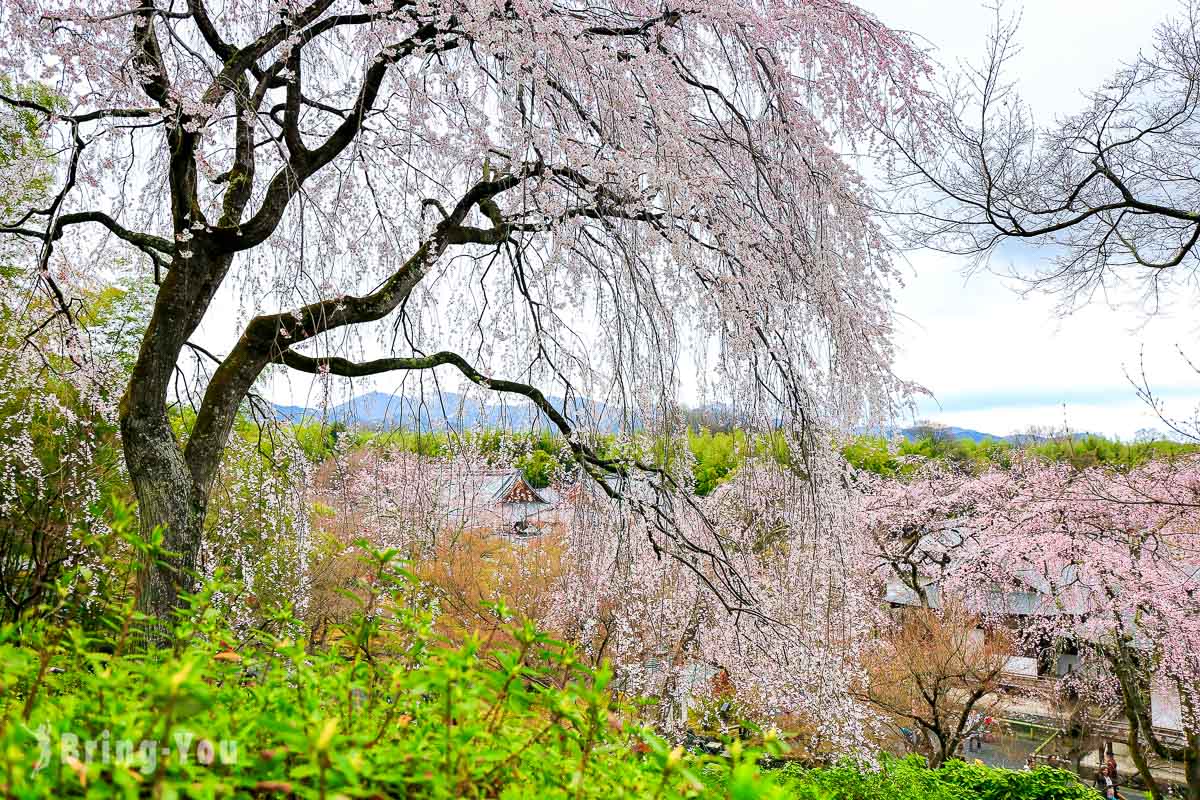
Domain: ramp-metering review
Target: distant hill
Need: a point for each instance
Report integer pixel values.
(917, 432)
(384, 411)
(920, 431)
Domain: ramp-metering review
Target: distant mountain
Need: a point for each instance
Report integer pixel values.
(916, 432)
(290, 413)
(950, 432)
(384, 411)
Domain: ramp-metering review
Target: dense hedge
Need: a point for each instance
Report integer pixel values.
(910, 779)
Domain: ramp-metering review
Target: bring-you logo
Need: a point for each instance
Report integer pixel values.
(145, 755)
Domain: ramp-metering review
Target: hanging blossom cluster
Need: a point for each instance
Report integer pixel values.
(258, 527)
(790, 658)
(1110, 560)
(56, 396)
(59, 450)
(53, 471)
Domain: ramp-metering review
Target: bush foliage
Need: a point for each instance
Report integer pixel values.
(386, 709)
(910, 779)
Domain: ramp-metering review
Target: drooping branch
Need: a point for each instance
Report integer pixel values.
(144, 241)
(1107, 187)
(87, 116)
(302, 165)
(343, 367)
(266, 335)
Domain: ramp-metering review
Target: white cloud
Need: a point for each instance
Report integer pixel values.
(999, 361)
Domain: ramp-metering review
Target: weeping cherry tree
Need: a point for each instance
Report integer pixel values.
(534, 194)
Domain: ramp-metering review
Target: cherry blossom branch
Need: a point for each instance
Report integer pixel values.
(88, 116)
(288, 180)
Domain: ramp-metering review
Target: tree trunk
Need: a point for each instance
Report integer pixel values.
(168, 499)
(1139, 759)
(1191, 768)
(168, 492)
(942, 749)
(172, 489)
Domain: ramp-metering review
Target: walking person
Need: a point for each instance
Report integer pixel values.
(974, 735)
(1106, 784)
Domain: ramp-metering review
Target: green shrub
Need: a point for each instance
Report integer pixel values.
(989, 783)
(909, 779)
(386, 711)
(895, 779)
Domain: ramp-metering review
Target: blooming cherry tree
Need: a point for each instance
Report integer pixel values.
(1110, 558)
(794, 661)
(481, 177)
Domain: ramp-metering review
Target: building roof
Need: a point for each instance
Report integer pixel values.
(505, 493)
(1033, 593)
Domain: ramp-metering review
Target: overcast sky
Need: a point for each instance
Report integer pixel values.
(997, 361)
